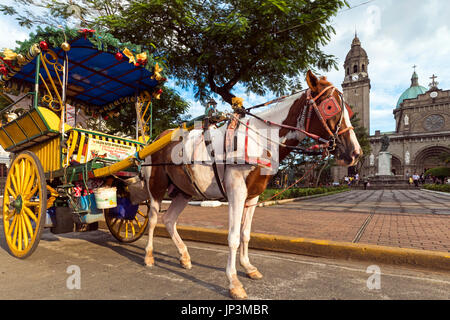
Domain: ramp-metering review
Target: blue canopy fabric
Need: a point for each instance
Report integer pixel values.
(96, 77)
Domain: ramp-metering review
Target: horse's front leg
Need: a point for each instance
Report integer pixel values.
(237, 193)
(153, 212)
(170, 220)
(252, 271)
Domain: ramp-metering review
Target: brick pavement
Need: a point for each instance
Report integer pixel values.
(398, 218)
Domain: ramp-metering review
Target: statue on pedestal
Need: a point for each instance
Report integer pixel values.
(384, 143)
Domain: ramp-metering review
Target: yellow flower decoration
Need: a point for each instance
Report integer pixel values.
(8, 54)
(237, 103)
(142, 56)
(130, 55)
(157, 72)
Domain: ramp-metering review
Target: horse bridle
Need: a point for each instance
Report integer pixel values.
(326, 110)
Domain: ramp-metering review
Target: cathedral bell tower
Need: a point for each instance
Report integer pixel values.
(356, 85)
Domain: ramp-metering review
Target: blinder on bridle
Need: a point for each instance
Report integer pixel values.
(328, 109)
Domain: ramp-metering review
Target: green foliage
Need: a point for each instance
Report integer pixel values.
(437, 187)
(265, 45)
(298, 192)
(363, 138)
(440, 172)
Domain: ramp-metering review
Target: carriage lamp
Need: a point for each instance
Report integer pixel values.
(211, 107)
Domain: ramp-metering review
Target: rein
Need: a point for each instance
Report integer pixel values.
(311, 105)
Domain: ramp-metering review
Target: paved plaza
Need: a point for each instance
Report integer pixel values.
(110, 270)
(415, 219)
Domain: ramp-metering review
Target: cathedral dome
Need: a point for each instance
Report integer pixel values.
(412, 92)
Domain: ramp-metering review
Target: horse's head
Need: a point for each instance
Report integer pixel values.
(331, 120)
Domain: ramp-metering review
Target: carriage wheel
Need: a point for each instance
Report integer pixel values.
(128, 230)
(24, 204)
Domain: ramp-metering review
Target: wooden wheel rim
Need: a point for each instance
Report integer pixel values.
(24, 204)
(127, 230)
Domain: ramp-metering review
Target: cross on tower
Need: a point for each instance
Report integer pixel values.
(414, 66)
(433, 83)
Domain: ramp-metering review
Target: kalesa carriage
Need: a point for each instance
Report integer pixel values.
(68, 178)
(62, 176)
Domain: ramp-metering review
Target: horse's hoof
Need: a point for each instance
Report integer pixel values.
(186, 264)
(149, 261)
(238, 293)
(255, 275)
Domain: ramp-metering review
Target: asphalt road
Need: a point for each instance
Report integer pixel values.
(109, 270)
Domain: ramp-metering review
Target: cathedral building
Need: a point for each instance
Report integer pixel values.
(422, 118)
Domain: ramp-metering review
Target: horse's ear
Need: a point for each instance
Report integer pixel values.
(312, 80)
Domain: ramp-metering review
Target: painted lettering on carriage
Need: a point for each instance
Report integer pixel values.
(198, 310)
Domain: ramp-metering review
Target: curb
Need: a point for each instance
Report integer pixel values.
(275, 202)
(318, 248)
(437, 192)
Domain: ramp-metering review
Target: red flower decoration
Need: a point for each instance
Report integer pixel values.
(43, 45)
(4, 71)
(85, 32)
(118, 56)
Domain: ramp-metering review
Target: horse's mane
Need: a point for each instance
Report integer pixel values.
(281, 104)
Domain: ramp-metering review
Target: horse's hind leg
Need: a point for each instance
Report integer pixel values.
(153, 212)
(252, 272)
(170, 218)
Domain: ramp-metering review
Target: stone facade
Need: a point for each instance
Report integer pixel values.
(422, 130)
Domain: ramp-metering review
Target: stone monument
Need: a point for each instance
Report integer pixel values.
(384, 158)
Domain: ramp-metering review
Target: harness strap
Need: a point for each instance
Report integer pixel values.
(210, 149)
(188, 172)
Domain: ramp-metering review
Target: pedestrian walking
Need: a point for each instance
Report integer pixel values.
(365, 182)
(416, 178)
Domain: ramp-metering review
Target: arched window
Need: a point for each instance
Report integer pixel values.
(355, 69)
(348, 71)
(363, 68)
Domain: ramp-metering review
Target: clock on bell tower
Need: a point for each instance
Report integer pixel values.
(356, 85)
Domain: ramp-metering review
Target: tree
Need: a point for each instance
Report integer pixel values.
(363, 138)
(265, 45)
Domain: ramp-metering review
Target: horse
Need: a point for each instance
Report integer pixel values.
(243, 183)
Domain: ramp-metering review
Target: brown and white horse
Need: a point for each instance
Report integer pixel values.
(244, 182)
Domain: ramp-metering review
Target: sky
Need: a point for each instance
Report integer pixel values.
(396, 34)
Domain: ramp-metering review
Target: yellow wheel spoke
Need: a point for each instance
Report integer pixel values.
(8, 214)
(31, 182)
(30, 213)
(12, 225)
(126, 229)
(28, 225)
(24, 232)
(19, 239)
(14, 182)
(32, 203)
(132, 228)
(24, 174)
(29, 195)
(138, 223)
(114, 222)
(10, 193)
(120, 226)
(139, 211)
(17, 176)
